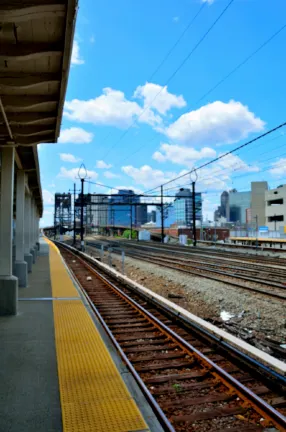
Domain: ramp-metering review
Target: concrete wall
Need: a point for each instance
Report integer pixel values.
(274, 209)
(258, 190)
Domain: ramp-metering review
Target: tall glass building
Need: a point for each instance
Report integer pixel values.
(239, 202)
(184, 207)
(119, 208)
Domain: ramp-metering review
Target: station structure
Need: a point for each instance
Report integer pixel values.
(59, 371)
(35, 51)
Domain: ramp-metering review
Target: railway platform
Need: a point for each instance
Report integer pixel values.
(58, 370)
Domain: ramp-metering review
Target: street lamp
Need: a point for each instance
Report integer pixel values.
(194, 178)
(82, 174)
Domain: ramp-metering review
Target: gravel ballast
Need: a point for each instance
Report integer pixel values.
(248, 315)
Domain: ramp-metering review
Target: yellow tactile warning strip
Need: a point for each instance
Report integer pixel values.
(62, 285)
(93, 395)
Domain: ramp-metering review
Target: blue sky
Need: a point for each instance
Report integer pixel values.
(131, 130)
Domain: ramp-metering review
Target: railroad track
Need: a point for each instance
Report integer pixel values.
(229, 275)
(205, 251)
(192, 381)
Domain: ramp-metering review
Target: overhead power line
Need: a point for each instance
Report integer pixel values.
(222, 156)
(241, 64)
(220, 81)
(172, 75)
(168, 54)
(177, 42)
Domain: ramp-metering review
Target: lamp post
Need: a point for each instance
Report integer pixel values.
(194, 179)
(82, 174)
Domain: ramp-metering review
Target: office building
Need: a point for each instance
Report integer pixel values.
(141, 214)
(120, 209)
(169, 216)
(184, 207)
(223, 209)
(239, 202)
(151, 216)
(99, 209)
(258, 193)
(275, 208)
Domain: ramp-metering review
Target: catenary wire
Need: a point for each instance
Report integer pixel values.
(171, 76)
(249, 57)
(222, 156)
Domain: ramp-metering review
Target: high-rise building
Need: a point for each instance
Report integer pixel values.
(184, 207)
(99, 208)
(258, 191)
(275, 208)
(224, 205)
(120, 208)
(239, 202)
(169, 216)
(151, 216)
(141, 214)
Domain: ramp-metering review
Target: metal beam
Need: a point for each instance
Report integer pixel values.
(27, 13)
(26, 101)
(31, 118)
(26, 81)
(27, 130)
(18, 52)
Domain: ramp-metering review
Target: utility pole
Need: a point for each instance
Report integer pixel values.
(162, 216)
(194, 212)
(256, 219)
(74, 221)
(82, 175)
(130, 218)
(215, 231)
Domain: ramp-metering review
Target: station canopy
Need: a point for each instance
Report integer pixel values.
(36, 38)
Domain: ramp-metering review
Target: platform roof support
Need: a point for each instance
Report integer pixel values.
(8, 282)
(20, 265)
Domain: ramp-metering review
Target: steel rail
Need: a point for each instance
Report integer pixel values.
(260, 406)
(173, 267)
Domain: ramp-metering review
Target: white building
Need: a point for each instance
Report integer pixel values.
(275, 208)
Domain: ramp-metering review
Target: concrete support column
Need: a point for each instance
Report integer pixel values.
(20, 265)
(8, 282)
(37, 231)
(28, 256)
(32, 233)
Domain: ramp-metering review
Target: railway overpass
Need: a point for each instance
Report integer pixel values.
(35, 50)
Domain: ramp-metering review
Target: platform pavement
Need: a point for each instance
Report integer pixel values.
(29, 391)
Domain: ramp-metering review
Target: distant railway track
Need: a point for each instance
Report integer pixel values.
(238, 276)
(193, 381)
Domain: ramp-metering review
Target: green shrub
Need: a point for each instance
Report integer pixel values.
(126, 234)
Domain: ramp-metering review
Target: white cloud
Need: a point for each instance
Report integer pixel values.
(215, 123)
(111, 108)
(279, 167)
(102, 165)
(232, 163)
(75, 58)
(147, 176)
(73, 173)
(110, 175)
(75, 135)
(48, 197)
(68, 157)
(182, 155)
(158, 97)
